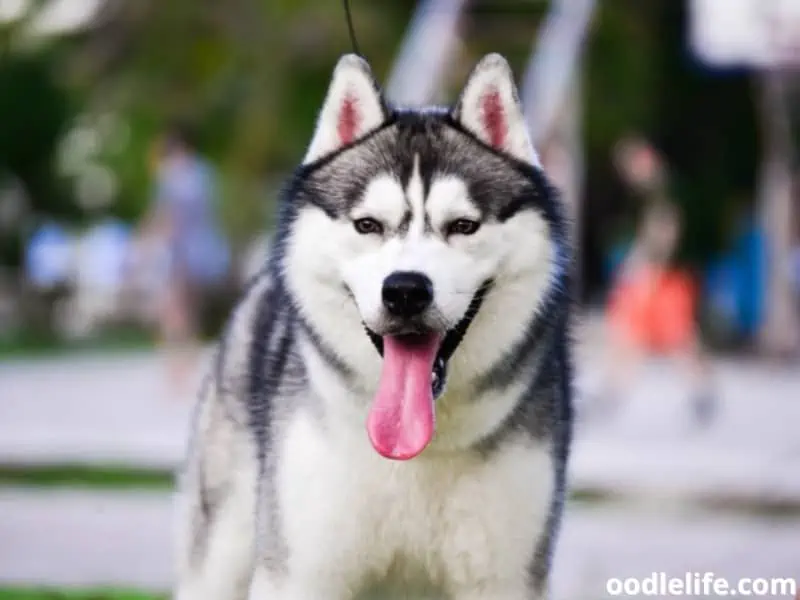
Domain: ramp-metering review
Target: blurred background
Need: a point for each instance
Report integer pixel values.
(130, 128)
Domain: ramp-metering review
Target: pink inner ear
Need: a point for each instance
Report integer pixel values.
(494, 118)
(349, 120)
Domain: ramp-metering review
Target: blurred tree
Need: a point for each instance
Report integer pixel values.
(250, 73)
(707, 124)
(34, 112)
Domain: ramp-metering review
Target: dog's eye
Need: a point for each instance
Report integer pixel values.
(367, 225)
(463, 227)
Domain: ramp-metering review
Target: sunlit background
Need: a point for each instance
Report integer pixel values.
(692, 464)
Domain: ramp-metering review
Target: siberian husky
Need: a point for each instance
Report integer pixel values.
(389, 411)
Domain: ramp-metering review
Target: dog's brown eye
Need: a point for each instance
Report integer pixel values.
(462, 227)
(367, 226)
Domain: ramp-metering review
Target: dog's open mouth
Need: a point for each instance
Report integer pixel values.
(401, 421)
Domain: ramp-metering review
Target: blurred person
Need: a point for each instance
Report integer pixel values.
(653, 303)
(181, 225)
(641, 167)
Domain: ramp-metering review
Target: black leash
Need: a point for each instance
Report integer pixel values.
(349, 17)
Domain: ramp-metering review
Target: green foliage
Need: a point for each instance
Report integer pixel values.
(620, 76)
(39, 341)
(705, 123)
(35, 110)
(131, 166)
(249, 75)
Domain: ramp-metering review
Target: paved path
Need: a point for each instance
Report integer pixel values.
(124, 539)
(752, 451)
(116, 410)
(91, 409)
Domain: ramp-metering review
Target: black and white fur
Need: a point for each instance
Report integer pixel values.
(283, 497)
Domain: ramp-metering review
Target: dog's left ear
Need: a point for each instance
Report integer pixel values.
(353, 107)
(490, 109)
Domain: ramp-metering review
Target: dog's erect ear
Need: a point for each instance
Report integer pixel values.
(353, 107)
(489, 108)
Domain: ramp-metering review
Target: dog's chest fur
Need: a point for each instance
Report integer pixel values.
(457, 519)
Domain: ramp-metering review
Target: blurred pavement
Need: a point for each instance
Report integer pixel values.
(91, 409)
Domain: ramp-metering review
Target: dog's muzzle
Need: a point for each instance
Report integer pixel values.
(451, 341)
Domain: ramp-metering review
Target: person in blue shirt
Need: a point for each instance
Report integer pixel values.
(182, 219)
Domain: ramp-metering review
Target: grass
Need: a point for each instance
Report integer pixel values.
(28, 344)
(760, 507)
(85, 476)
(57, 594)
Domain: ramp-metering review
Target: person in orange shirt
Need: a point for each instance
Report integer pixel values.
(182, 219)
(653, 303)
(652, 309)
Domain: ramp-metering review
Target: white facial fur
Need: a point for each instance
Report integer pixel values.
(327, 259)
(456, 265)
(327, 255)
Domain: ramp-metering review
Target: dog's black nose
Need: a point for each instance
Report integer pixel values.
(407, 293)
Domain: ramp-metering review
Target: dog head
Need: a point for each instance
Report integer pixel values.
(417, 238)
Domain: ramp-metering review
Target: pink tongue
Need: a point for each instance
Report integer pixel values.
(401, 421)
